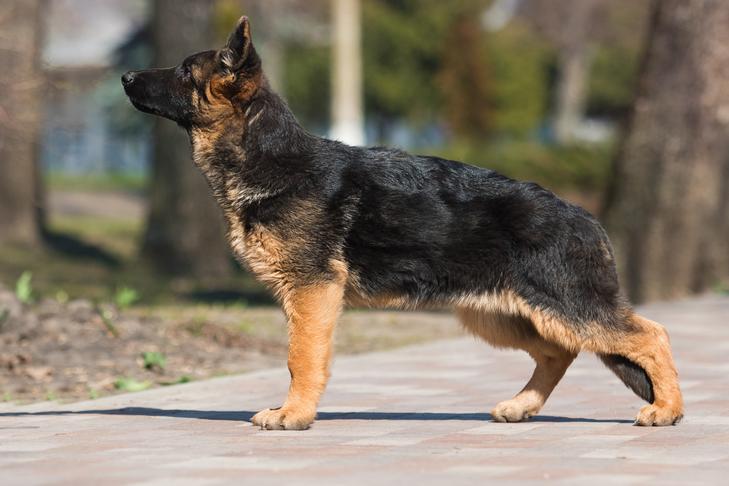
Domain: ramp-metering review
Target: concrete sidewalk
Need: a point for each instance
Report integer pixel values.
(416, 415)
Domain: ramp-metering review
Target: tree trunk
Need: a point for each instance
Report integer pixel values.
(668, 204)
(185, 229)
(347, 98)
(574, 65)
(21, 91)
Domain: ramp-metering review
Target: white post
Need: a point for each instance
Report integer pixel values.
(347, 116)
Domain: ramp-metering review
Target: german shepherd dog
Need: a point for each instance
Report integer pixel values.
(324, 224)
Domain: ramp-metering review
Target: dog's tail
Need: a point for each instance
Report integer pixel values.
(631, 374)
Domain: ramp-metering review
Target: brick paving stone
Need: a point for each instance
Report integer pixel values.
(417, 415)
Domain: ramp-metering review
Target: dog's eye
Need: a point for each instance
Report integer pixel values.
(186, 73)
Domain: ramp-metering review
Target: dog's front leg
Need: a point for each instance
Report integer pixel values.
(312, 313)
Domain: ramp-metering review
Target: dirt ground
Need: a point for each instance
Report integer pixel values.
(78, 350)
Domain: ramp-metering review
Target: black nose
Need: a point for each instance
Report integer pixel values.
(128, 78)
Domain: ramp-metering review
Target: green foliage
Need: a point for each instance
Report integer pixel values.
(721, 288)
(125, 297)
(246, 327)
(24, 287)
(466, 81)
(109, 181)
(154, 360)
(179, 381)
(424, 59)
(131, 385)
(569, 167)
(619, 44)
(612, 80)
(307, 82)
(226, 14)
(519, 65)
(62, 296)
(93, 394)
(402, 49)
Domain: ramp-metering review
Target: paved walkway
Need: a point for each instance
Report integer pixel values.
(413, 416)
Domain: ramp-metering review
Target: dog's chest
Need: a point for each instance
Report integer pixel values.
(257, 247)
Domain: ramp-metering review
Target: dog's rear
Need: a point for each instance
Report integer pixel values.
(642, 359)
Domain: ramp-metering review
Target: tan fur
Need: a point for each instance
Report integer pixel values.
(650, 348)
(312, 312)
(266, 256)
(505, 320)
(551, 327)
(356, 298)
(217, 87)
(516, 331)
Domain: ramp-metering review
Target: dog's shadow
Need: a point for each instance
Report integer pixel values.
(245, 416)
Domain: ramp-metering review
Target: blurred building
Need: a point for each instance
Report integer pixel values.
(85, 125)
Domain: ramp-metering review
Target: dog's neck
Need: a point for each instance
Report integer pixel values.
(256, 154)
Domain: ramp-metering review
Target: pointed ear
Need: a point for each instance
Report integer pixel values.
(238, 49)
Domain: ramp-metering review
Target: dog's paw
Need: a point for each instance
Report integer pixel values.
(655, 415)
(283, 418)
(513, 411)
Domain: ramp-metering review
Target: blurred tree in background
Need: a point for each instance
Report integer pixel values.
(402, 52)
(620, 39)
(466, 82)
(21, 97)
(539, 94)
(669, 199)
(185, 229)
(520, 85)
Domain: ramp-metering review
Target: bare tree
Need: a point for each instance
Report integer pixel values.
(347, 101)
(577, 28)
(574, 67)
(21, 90)
(668, 206)
(185, 230)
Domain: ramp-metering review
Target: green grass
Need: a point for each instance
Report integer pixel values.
(131, 385)
(119, 237)
(178, 381)
(154, 360)
(125, 297)
(132, 282)
(135, 182)
(24, 287)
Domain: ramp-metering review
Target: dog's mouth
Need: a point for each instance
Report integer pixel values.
(144, 108)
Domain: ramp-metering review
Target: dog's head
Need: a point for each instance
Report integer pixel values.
(206, 87)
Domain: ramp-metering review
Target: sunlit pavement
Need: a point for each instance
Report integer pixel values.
(416, 415)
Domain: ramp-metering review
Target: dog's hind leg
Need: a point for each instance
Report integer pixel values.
(552, 362)
(641, 357)
(511, 331)
(636, 349)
